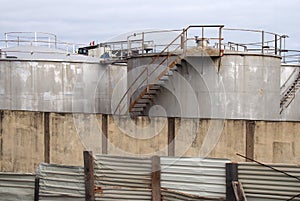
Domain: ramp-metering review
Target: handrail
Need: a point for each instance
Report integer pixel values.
(183, 45)
(145, 69)
(37, 39)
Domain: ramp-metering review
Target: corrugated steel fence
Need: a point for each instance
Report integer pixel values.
(194, 176)
(263, 183)
(131, 178)
(122, 178)
(15, 186)
(59, 182)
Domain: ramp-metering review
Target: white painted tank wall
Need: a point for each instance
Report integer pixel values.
(57, 83)
(247, 87)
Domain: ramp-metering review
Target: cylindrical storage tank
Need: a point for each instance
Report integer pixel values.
(43, 79)
(240, 86)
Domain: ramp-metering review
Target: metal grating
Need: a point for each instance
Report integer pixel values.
(122, 178)
(16, 186)
(263, 183)
(200, 177)
(60, 182)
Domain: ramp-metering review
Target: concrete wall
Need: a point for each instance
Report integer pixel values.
(28, 138)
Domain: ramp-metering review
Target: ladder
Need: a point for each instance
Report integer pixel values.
(290, 94)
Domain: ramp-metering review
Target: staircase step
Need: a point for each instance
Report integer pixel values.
(164, 78)
(146, 96)
(143, 101)
(140, 105)
(138, 109)
(169, 73)
(152, 91)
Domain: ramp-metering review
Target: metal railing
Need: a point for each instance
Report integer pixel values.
(44, 39)
(178, 46)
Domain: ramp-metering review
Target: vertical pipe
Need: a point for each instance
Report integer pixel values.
(231, 175)
(104, 133)
(171, 136)
(89, 175)
(250, 132)
(155, 178)
(47, 137)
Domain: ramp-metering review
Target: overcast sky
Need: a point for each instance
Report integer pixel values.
(86, 20)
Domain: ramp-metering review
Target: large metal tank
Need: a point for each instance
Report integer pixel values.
(240, 86)
(37, 78)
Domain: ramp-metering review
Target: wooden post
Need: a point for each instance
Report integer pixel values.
(36, 189)
(171, 136)
(104, 133)
(89, 175)
(231, 175)
(155, 185)
(47, 137)
(250, 130)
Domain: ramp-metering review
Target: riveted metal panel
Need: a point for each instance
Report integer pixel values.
(263, 183)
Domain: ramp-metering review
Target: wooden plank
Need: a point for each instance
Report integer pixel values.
(231, 176)
(47, 137)
(104, 133)
(171, 136)
(250, 131)
(89, 176)
(155, 177)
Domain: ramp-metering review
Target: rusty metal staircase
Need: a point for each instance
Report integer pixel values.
(147, 95)
(143, 90)
(289, 95)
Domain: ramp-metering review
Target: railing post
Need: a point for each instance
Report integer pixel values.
(262, 41)
(276, 50)
(6, 39)
(143, 42)
(220, 40)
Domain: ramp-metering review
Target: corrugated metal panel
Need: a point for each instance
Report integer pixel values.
(15, 186)
(194, 176)
(122, 178)
(58, 182)
(177, 196)
(263, 183)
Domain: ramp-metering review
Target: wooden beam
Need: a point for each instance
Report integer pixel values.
(231, 176)
(37, 189)
(155, 177)
(89, 176)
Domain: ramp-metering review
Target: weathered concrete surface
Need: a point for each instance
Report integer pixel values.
(23, 140)
(142, 136)
(277, 142)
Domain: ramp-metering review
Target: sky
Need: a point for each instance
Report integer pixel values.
(100, 20)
